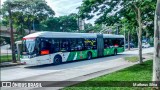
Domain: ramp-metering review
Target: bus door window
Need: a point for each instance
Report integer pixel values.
(37, 47)
(45, 46)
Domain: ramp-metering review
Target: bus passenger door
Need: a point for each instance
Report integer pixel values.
(45, 50)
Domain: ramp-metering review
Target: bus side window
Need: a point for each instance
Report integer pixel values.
(55, 46)
(73, 43)
(121, 41)
(80, 45)
(110, 42)
(76, 44)
(106, 43)
(65, 45)
(90, 43)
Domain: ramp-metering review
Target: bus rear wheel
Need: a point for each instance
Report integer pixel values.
(115, 52)
(89, 55)
(57, 60)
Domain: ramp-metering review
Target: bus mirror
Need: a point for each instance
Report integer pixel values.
(44, 52)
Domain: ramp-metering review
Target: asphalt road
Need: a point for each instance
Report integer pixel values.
(66, 70)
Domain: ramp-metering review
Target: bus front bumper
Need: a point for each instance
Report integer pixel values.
(29, 62)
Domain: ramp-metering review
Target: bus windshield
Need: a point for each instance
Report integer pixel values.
(28, 46)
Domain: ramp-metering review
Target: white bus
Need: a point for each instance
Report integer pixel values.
(57, 47)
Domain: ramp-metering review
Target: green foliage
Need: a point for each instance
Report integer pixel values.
(61, 24)
(89, 28)
(115, 11)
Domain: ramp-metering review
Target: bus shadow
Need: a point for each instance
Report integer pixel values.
(77, 63)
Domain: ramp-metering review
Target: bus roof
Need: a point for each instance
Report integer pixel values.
(48, 34)
(112, 36)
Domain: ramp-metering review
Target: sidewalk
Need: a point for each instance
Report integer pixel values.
(8, 64)
(131, 49)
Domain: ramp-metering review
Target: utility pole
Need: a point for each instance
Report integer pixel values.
(11, 33)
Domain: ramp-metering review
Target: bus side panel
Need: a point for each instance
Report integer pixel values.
(78, 55)
(120, 49)
(83, 54)
(72, 56)
(108, 51)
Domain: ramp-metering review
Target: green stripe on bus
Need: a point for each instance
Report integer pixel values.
(71, 56)
(78, 55)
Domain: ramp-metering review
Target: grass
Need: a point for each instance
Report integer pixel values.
(132, 59)
(5, 58)
(133, 73)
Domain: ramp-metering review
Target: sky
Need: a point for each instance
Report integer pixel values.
(64, 7)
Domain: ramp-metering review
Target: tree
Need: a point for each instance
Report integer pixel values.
(13, 10)
(156, 61)
(69, 23)
(66, 23)
(9, 7)
(135, 11)
(28, 12)
(89, 28)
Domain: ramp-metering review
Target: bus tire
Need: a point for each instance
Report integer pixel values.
(89, 55)
(57, 60)
(115, 52)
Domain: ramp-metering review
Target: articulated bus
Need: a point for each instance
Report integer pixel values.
(57, 47)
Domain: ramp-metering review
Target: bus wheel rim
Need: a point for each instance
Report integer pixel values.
(57, 60)
(89, 56)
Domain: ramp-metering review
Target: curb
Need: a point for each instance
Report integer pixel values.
(9, 65)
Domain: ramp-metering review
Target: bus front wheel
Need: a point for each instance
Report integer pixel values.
(89, 55)
(57, 60)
